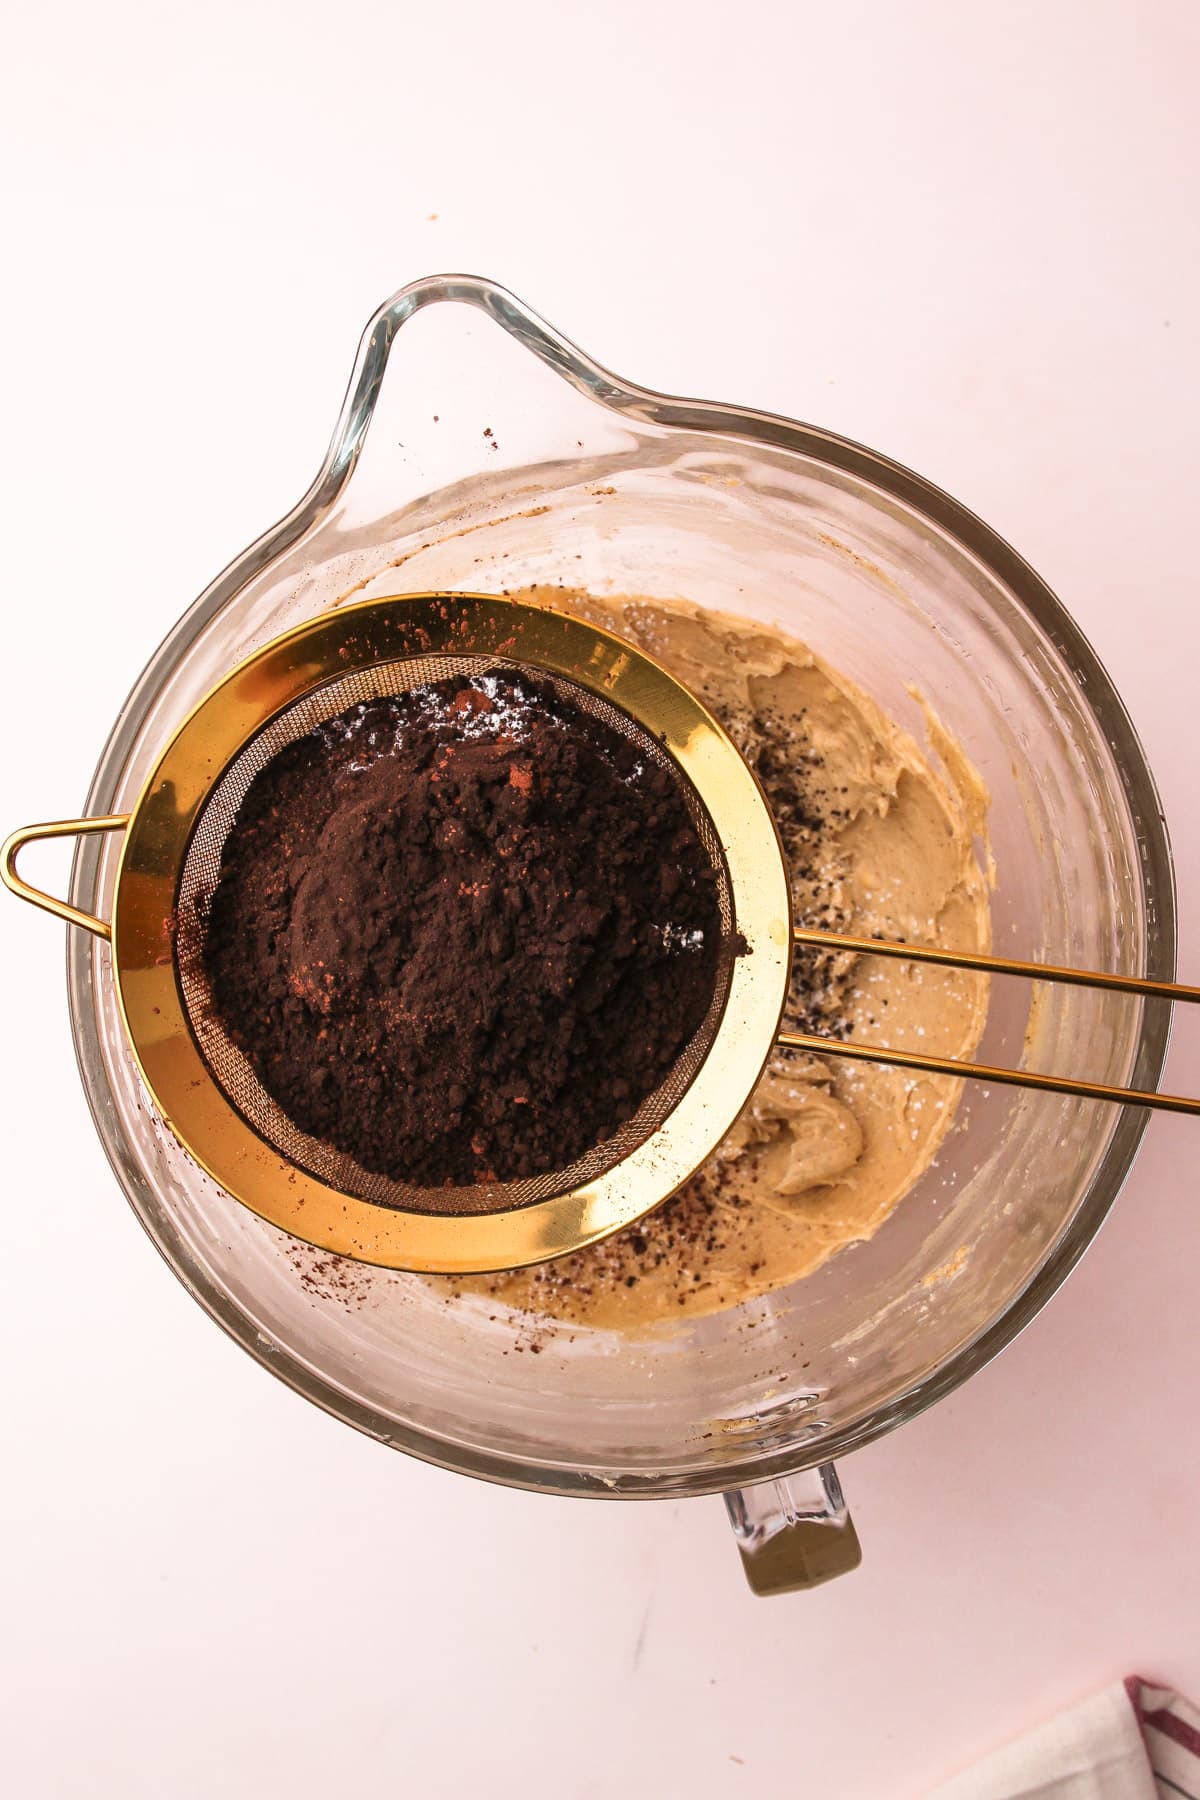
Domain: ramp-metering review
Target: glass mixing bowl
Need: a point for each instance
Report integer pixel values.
(495, 455)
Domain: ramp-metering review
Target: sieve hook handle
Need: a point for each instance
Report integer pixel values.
(56, 828)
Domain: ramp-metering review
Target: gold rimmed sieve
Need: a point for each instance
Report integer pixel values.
(210, 1097)
(169, 864)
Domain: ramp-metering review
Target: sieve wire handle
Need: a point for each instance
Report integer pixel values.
(56, 828)
(992, 965)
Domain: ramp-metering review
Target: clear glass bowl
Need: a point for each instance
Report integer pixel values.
(494, 455)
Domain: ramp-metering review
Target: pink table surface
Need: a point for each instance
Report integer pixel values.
(966, 235)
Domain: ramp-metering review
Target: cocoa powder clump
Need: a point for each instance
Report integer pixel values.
(463, 933)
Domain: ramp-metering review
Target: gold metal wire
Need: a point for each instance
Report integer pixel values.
(991, 965)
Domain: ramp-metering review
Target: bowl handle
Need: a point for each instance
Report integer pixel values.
(795, 1532)
(62, 909)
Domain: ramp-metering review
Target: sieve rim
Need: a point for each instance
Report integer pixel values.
(214, 733)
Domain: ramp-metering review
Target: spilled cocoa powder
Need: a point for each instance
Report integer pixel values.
(462, 934)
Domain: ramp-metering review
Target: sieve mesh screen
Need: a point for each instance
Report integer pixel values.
(230, 1068)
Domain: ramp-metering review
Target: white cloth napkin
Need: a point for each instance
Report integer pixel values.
(1133, 1741)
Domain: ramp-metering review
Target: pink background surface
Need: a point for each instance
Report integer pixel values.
(964, 235)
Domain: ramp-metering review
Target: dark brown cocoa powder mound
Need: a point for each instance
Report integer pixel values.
(462, 934)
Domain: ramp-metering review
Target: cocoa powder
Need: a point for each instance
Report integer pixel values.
(463, 933)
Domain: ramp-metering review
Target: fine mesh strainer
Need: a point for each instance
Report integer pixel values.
(234, 1073)
(205, 1088)
(210, 1097)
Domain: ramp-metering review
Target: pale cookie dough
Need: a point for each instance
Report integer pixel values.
(879, 842)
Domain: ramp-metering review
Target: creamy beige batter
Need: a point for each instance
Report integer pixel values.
(880, 842)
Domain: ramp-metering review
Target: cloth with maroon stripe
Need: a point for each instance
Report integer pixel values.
(1132, 1741)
